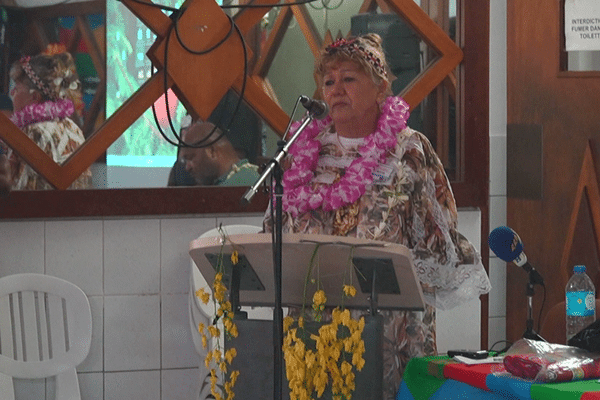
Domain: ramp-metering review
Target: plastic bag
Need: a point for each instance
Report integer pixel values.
(547, 362)
(588, 338)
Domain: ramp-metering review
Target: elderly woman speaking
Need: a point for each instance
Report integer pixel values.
(362, 172)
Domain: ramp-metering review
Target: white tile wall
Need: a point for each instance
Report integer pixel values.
(132, 256)
(174, 259)
(21, 247)
(132, 332)
(459, 327)
(497, 336)
(497, 299)
(74, 253)
(176, 340)
(498, 165)
(29, 388)
(91, 386)
(465, 318)
(498, 121)
(94, 362)
(181, 384)
(136, 274)
(132, 385)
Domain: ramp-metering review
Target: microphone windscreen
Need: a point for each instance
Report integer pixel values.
(505, 243)
(322, 110)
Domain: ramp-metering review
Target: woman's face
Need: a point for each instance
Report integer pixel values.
(351, 94)
(21, 95)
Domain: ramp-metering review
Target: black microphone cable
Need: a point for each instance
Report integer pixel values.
(176, 14)
(206, 141)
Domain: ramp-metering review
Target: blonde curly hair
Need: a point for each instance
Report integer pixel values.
(365, 50)
(53, 76)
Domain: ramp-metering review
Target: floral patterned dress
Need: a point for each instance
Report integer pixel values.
(58, 138)
(409, 202)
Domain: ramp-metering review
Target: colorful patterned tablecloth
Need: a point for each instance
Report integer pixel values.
(441, 378)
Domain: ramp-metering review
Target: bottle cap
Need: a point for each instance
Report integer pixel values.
(579, 269)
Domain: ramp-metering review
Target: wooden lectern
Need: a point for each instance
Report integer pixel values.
(384, 277)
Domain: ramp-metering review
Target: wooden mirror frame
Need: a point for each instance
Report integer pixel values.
(470, 191)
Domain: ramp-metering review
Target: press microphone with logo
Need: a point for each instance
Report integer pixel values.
(316, 108)
(507, 245)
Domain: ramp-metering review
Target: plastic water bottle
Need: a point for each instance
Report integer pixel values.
(581, 301)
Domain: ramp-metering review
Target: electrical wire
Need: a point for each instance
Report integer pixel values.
(202, 142)
(504, 349)
(326, 5)
(176, 15)
(240, 6)
(212, 48)
(208, 140)
(296, 3)
(542, 307)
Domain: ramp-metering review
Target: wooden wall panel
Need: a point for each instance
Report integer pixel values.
(566, 105)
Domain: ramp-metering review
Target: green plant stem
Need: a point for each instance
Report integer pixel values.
(306, 280)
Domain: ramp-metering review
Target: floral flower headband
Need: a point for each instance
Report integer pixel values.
(352, 46)
(58, 82)
(37, 81)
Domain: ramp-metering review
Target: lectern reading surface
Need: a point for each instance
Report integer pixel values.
(395, 281)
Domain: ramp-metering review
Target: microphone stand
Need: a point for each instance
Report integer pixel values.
(274, 167)
(530, 333)
(275, 162)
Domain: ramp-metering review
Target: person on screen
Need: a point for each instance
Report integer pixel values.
(178, 176)
(243, 129)
(217, 163)
(362, 172)
(46, 96)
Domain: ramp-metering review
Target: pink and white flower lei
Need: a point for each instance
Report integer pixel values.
(40, 112)
(300, 196)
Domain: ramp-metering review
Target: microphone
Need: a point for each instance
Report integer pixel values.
(316, 108)
(507, 245)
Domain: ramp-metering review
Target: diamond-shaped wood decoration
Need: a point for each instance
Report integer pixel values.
(450, 55)
(209, 69)
(62, 176)
(194, 79)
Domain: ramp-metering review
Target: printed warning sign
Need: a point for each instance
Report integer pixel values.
(582, 25)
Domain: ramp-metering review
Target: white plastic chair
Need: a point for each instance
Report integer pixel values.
(45, 330)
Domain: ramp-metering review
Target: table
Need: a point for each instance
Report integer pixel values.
(441, 378)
